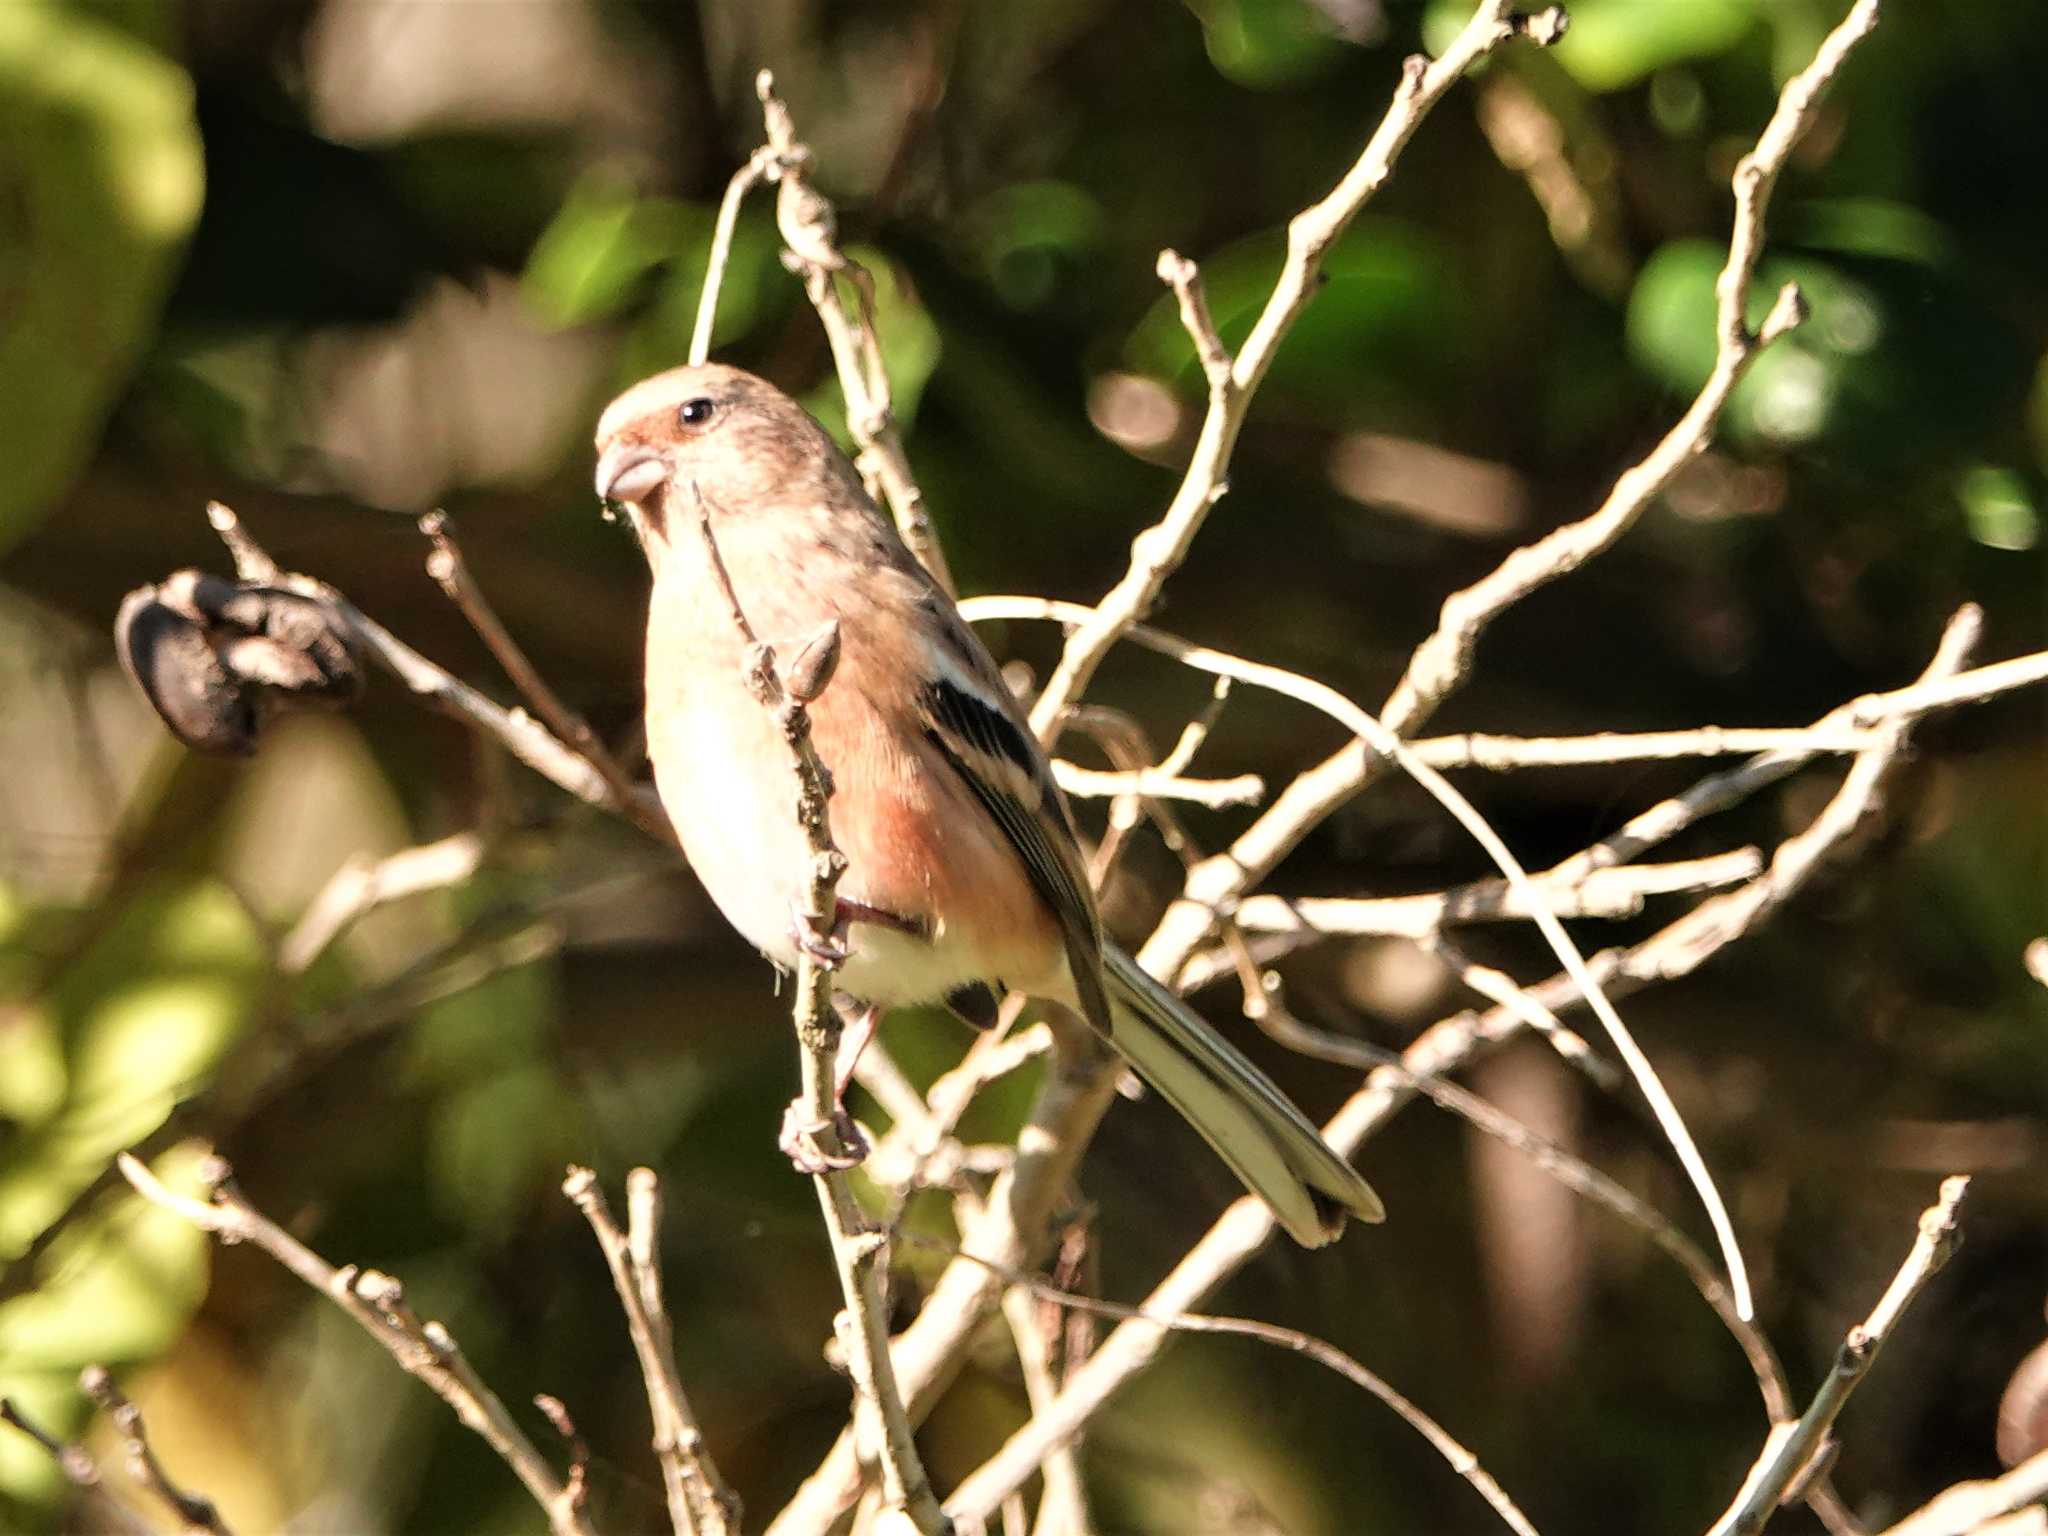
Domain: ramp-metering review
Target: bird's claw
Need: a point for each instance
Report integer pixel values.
(803, 1140)
(828, 947)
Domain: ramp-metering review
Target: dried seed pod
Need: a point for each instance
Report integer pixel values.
(215, 658)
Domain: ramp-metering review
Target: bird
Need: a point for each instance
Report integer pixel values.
(964, 876)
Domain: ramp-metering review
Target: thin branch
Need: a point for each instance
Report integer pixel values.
(377, 1302)
(699, 1501)
(1063, 1503)
(1674, 951)
(362, 885)
(1009, 1231)
(931, 1349)
(556, 1412)
(1967, 1508)
(1610, 893)
(1440, 665)
(1380, 739)
(1501, 754)
(525, 737)
(1441, 662)
(1850, 727)
(983, 1492)
(1157, 784)
(1497, 986)
(1793, 1447)
(73, 1459)
(744, 180)
(1586, 1181)
(809, 226)
(195, 1511)
(859, 1253)
(448, 567)
(1233, 382)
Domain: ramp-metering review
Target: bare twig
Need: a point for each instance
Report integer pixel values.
(556, 1412)
(859, 1253)
(1157, 783)
(1262, 929)
(361, 885)
(1674, 951)
(1496, 986)
(1010, 1231)
(1442, 660)
(1619, 892)
(699, 1501)
(982, 1493)
(72, 1459)
(1501, 754)
(195, 1511)
(377, 1302)
(1158, 551)
(104, 1514)
(1441, 663)
(1380, 739)
(1793, 1447)
(744, 180)
(448, 567)
(1850, 727)
(525, 737)
(1969, 1508)
(809, 226)
(1063, 1504)
(1583, 1179)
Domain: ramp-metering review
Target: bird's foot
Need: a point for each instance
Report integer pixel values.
(828, 945)
(825, 945)
(821, 1146)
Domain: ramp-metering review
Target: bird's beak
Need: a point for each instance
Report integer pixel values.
(629, 473)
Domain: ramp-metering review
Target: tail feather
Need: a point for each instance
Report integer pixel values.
(1238, 1110)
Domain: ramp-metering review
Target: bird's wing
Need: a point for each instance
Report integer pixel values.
(971, 718)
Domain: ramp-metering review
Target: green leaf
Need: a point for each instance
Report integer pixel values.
(1999, 507)
(601, 246)
(139, 1018)
(122, 1288)
(1385, 319)
(1266, 44)
(101, 178)
(1613, 44)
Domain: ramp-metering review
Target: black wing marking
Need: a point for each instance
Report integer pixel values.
(1003, 768)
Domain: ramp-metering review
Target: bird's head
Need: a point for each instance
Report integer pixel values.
(707, 435)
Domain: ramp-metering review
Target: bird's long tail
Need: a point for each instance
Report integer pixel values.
(1253, 1126)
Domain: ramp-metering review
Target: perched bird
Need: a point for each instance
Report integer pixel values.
(963, 873)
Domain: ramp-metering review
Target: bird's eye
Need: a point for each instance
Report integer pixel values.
(694, 413)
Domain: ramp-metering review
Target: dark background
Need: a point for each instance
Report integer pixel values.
(336, 263)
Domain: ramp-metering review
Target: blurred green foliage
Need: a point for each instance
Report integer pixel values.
(104, 171)
(334, 260)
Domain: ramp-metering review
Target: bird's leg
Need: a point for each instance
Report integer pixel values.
(799, 1138)
(829, 947)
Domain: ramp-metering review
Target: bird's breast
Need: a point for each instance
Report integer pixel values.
(917, 844)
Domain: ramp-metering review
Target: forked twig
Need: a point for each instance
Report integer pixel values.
(1795, 1446)
(700, 1503)
(377, 1302)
